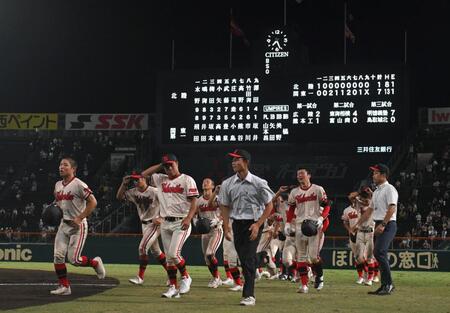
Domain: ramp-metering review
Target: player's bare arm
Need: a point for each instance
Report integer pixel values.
(212, 202)
(192, 211)
(152, 170)
(225, 211)
(91, 203)
(391, 210)
(279, 192)
(123, 187)
(254, 228)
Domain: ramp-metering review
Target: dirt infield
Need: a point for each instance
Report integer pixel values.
(24, 288)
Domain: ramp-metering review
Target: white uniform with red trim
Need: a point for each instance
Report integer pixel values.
(70, 238)
(290, 249)
(211, 241)
(307, 204)
(351, 216)
(173, 197)
(229, 250)
(147, 205)
(364, 236)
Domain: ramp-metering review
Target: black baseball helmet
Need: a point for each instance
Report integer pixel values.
(203, 225)
(309, 228)
(52, 215)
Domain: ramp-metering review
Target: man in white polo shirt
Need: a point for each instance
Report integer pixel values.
(384, 208)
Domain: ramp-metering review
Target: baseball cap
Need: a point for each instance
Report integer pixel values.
(380, 167)
(136, 175)
(240, 153)
(169, 158)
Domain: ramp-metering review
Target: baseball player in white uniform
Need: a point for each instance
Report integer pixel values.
(207, 207)
(177, 195)
(280, 206)
(264, 246)
(308, 202)
(231, 258)
(77, 202)
(349, 218)
(364, 233)
(144, 197)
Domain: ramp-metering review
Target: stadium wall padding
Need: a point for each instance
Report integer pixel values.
(123, 250)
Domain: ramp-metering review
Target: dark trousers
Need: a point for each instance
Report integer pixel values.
(246, 250)
(382, 243)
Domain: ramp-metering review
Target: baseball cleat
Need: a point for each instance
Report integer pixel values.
(215, 282)
(275, 276)
(368, 282)
(284, 277)
(303, 289)
(360, 280)
(62, 291)
(236, 288)
(185, 285)
(376, 279)
(318, 283)
(228, 282)
(136, 280)
(265, 274)
(100, 268)
(171, 293)
(248, 301)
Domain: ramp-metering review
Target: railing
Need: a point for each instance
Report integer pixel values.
(107, 224)
(330, 241)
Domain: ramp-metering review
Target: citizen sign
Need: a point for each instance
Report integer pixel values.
(106, 122)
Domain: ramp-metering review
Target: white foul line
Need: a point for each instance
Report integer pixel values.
(56, 284)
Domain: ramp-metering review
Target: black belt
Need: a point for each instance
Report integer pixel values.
(68, 222)
(147, 222)
(172, 218)
(367, 230)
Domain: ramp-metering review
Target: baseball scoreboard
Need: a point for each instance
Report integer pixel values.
(336, 104)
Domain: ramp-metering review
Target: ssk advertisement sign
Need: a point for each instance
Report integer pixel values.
(119, 122)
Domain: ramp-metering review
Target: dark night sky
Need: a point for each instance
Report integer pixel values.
(103, 55)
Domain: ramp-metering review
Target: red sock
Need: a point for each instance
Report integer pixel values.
(172, 274)
(302, 268)
(227, 269)
(85, 261)
(182, 268)
(162, 260)
(360, 269)
(375, 268)
(370, 272)
(366, 267)
(236, 276)
(143, 261)
(61, 272)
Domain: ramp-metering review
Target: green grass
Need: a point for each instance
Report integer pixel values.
(416, 292)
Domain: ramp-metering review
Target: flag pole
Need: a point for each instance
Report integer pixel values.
(231, 40)
(285, 18)
(345, 29)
